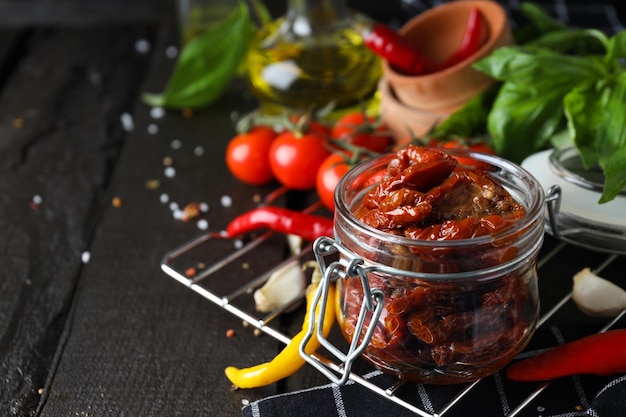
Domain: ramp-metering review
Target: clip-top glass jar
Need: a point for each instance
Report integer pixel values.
(453, 310)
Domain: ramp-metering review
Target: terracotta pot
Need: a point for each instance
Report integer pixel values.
(437, 32)
(403, 121)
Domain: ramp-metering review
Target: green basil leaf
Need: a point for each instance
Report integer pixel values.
(471, 118)
(207, 63)
(616, 49)
(615, 175)
(596, 114)
(574, 41)
(522, 120)
(532, 66)
(540, 19)
(529, 107)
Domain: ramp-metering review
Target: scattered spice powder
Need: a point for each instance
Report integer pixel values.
(18, 123)
(116, 202)
(191, 272)
(191, 211)
(187, 113)
(230, 333)
(153, 184)
(168, 161)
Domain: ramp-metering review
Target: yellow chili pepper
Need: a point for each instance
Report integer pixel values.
(288, 361)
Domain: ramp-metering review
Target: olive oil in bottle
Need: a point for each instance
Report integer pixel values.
(311, 58)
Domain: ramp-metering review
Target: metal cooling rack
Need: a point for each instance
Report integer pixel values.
(238, 302)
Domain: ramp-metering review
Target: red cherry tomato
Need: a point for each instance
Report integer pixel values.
(477, 146)
(295, 158)
(330, 172)
(247, 156)
(364, 131)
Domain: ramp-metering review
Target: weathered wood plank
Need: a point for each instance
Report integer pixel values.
(139, 343)
(59, 139)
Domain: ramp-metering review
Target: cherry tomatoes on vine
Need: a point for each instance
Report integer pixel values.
(334, 167)
(364, 131)
(295, 158)
(247, 155)
(473, 145)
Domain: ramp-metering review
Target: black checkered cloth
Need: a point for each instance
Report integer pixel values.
(494, 396)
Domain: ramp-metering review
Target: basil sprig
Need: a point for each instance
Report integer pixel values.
(558, 86)
(207, 63)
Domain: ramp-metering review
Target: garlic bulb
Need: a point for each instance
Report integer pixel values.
(283, 286)
(597, 296)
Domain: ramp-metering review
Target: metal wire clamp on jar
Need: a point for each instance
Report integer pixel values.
(473, 321)
(310, 58)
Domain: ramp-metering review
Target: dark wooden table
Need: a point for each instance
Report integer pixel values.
(89, 323)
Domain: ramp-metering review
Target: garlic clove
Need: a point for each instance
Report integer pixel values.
(597, 296)
(283, 286)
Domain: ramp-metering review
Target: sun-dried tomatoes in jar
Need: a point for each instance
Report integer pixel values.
(454, 250)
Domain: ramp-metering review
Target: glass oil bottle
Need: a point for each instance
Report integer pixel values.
(311, 58)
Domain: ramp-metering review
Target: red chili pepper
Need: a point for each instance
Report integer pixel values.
(391, 46)
(472, 39)
(598, 354)
(278, 219)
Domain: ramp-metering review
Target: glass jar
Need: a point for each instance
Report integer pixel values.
(311, 57)
(454, 310)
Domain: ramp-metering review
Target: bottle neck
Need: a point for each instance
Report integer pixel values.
(317, 15)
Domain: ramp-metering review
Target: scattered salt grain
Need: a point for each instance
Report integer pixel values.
(174, 206)
(142, 46)
(245, 401)
(202, 224)
(234, 116)
(169, 172)
(164, 198)
(178, 214)
(226, 201)
(171, 51)
(95, 78)
(85, 257)
(153, 129)
(204, 207)
(176, 144)
(238, 243)
(35, 202)
(198, 151)
(157, 112)
(128, 124)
